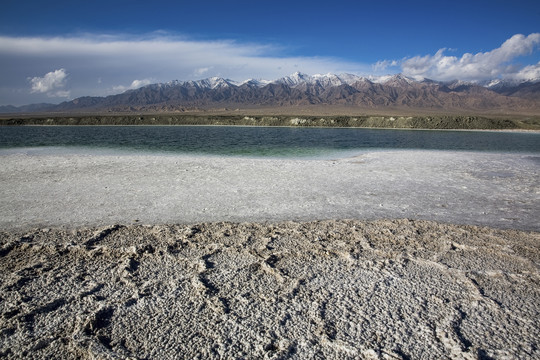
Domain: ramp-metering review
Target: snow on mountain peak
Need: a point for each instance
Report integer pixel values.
(255, 82)
(331, 80)
(396, 80)
(214, 83)
(350, 78)
(295, 79)
(324, 80)
(328, 80)
(493, 83)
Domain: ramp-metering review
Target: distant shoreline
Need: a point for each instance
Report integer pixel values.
(435, 122)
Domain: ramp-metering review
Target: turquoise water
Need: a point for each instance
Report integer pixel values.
(257, 141)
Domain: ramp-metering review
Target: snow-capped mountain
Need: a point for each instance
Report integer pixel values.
(325, 81)
(500, 83)
(255, 82)
(333, 80)
(395, 80)
(299, 89)
(216, 83)
(295, 79)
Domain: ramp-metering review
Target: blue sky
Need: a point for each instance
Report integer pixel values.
(52, 51)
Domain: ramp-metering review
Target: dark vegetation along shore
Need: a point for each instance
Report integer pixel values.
(397, 122)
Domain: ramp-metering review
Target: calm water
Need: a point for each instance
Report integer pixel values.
(255, 141)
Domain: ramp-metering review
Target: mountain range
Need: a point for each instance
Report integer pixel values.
(394, 92)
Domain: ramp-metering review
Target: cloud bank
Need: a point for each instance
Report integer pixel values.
(497, 63)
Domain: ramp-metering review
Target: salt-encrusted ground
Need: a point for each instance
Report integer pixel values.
(499, 190)
(79, 280)
(334, 289)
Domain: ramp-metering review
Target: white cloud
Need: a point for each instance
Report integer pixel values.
(480, 66)
(384, 64)
(135, 84)
(530, 72)
(202, 71)
(50, 84)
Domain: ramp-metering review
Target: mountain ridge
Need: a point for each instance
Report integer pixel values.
(302, 90)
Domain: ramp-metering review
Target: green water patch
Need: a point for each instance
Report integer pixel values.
(260, 141)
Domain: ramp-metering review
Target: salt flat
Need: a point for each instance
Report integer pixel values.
(55, 190)
(138, 256)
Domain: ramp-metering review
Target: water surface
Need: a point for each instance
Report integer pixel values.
(256, 141)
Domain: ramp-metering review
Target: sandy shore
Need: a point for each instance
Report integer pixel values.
(73, 285)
